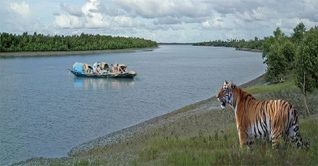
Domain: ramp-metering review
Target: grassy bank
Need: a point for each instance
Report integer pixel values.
(221, 147)
(200, 134)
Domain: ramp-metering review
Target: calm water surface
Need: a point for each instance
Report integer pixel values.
(45, 111)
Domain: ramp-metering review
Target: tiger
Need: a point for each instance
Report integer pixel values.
(272, 120)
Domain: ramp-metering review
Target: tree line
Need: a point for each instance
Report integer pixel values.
(39, 42)
(295, 55)
(242, 43)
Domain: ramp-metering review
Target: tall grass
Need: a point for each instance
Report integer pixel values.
(273, 87)
(222, 148)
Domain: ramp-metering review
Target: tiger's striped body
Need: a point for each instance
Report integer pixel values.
(273, 120)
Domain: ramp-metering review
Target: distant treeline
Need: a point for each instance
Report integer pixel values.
(252, 44)
(286, 56)
(175, 43)
(84, 42)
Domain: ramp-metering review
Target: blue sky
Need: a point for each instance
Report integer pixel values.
(159, 20)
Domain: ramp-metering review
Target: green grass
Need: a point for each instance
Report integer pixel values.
(273, 87)
(221, 148)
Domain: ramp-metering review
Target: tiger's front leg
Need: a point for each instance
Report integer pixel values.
(245, 139)
(241, 140)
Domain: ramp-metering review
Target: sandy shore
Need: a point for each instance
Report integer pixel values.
(65, 53)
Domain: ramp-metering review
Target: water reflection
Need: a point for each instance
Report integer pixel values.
(102, 83)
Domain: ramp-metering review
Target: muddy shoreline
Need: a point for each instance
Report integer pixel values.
(66, 53)
(204, 117)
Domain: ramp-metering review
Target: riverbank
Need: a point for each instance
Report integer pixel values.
(69, 53)
(248, 49)
(202, 119)
(66, 53)
(121, 147)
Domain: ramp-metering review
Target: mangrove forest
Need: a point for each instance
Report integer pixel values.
(83, 42)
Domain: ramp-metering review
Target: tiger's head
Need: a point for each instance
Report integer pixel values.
(225, 95)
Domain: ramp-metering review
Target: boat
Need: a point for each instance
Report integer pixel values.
(101, 70)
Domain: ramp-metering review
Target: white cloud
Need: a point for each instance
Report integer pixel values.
(68, 21)
(253, 15)
(214, 23)
(73, 10)
(164, 20)
(93, 18)
(164, 8)
(124, 21)
(22, 9)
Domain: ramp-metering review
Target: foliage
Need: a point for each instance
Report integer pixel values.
(306, 62)
(39, 42)
(296, 55)
(299, 32)
(251, 44)
(278, 54)
(279, 59)
(276, 63)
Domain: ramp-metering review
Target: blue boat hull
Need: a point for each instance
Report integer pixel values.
(109, 75)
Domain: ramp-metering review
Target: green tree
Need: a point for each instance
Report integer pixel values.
(306, 62)
(277, 56)
(268, 41)
(276, 63)
(299, 32)
(278, 33)
(288, 50)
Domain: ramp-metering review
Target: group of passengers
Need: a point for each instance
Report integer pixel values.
(98, 69)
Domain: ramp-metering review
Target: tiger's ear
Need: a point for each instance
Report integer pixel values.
(232, 85)
(225, 82)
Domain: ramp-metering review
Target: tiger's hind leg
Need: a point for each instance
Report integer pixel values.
(276, 140)
(294, 133)
(295, 137)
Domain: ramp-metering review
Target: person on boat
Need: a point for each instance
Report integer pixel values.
(125, 70)
(97, 70)
(112, 68)
(118, 68)
(115, 68)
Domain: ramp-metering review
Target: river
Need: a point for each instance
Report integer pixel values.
(45, 111)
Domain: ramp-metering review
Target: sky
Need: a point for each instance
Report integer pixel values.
(164, 21)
